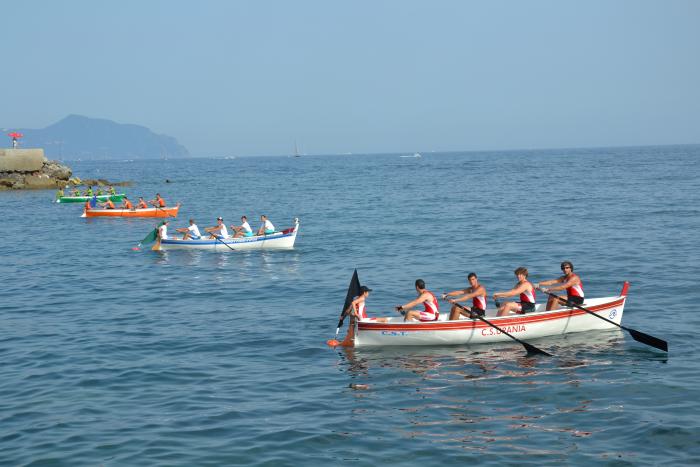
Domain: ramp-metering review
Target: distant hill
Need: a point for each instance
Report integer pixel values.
(79, 137)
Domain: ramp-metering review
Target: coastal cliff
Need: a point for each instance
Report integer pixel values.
(26, 169)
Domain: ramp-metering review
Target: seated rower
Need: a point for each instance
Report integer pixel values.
(475, 291)
(59, 193)
(219, 230)
(142, 203)
(191, 232)
(76, 192)
(99, 191)
(358, 307)
(112, 191)
(430, 303)
(242, 230)
(88, 192)
(523, 288)
(108, 204)
(158, 202)
(266, 228)
(570, 282)
(126, 204)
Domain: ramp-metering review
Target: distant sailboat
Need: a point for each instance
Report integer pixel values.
(296, 149)
(415, 154)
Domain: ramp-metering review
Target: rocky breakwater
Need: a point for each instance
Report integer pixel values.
(26, 169)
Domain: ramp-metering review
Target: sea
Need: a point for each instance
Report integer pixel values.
(113, 356)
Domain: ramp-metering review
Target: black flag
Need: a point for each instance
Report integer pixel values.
(353, 291)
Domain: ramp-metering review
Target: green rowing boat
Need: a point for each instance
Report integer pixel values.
(82, 199)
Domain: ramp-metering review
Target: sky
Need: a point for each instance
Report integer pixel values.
(252, 77)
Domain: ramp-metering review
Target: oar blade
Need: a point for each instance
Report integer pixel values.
(532, 350)
(648, 340)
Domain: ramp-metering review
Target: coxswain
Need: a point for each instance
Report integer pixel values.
(163, 230)
(358, 309)
(476, 292)
(524, 289)
(570, 282)
(430, 303)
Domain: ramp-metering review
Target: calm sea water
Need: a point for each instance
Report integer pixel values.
(116, 357)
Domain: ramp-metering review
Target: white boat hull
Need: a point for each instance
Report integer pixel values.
(283, 240)
(468, 331)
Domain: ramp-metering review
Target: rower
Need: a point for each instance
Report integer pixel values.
(426, 297)
(108, 204)
(219, 230)
(523, 288)
(266, 228)
(76, 191)
(191, 232)
(476, 292)
(126, 204)
(242, 230)
(142, 203)
(158, 202)
(112, 191)
(570, 282)
(358, 307)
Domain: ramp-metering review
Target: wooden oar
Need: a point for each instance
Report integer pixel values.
(531, 349)
(636, 335)
(229, 247)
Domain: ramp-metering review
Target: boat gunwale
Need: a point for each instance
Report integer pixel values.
(465, 324)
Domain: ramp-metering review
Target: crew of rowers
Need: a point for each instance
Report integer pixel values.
(157, 202)
(89, 192)
(523, 289)
(219, 231)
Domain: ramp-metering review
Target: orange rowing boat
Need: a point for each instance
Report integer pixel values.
(148, 212)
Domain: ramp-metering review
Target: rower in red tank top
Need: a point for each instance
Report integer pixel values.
(358, 307)
(476, 292)
(431, 307)
(526, 292)
(570, 282)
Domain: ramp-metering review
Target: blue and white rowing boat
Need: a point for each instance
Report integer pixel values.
(283, 240)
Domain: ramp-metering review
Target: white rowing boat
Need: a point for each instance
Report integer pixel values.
(283, 240)
(533, 325)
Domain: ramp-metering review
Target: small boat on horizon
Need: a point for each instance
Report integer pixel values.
(415, 155)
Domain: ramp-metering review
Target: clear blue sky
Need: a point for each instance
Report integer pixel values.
(251, 77)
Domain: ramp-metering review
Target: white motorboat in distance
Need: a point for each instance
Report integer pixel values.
(283, 240)
(539, 323)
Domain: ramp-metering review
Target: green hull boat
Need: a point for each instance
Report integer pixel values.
(82, 199)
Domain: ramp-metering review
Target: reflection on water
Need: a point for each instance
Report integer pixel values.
(483, 398)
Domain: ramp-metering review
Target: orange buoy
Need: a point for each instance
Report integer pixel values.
(332, 343)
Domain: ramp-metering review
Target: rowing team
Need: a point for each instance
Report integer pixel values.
(219, 230)
(89, 192)
(157, 202)
(476, 292)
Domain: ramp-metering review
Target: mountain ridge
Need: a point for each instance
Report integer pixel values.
(81, 137)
